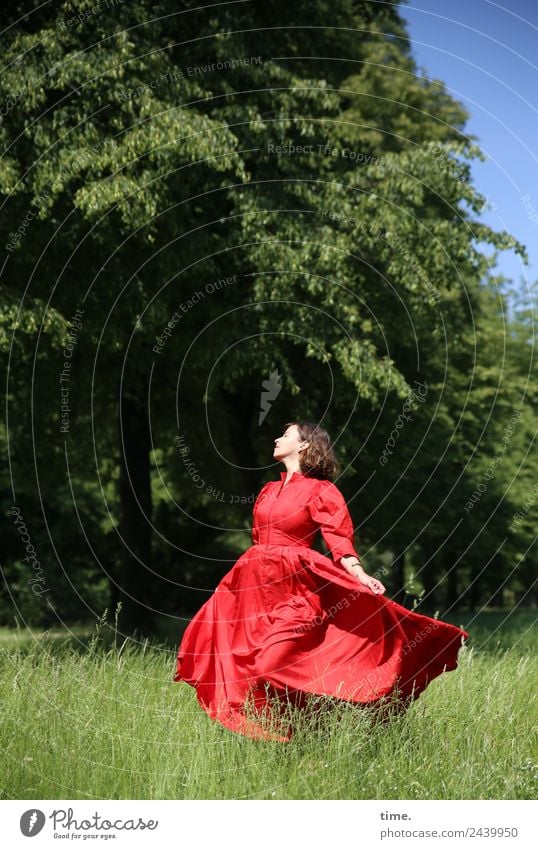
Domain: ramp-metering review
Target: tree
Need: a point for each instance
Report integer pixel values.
(221, 216)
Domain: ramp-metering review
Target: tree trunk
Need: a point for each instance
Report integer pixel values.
(135, 516)
(497, 599)
(474, 594)
(429, 583)
(399, 577)
(451, 585)
(241, 410)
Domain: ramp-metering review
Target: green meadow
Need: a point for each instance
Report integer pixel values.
(86, 718)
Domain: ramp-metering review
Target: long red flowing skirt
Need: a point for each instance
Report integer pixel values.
(289, 617)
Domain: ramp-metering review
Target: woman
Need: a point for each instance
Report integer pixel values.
(286, 621)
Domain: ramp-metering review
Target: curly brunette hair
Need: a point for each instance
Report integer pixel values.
(319, 459)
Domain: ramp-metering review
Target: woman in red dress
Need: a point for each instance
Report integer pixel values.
(286, 621)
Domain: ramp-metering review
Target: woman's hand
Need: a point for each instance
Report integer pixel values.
(353, 566)
(372, 583)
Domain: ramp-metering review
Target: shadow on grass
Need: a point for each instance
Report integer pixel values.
(499, 630)
(103, 634)
(489, 631)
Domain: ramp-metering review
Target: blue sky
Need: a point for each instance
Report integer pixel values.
(486, 52)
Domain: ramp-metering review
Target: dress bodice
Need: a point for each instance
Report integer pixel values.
(292, 513)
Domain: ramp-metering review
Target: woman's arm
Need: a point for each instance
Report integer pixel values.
(329, 510)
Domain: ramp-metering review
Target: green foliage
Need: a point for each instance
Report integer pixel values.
(144, 158)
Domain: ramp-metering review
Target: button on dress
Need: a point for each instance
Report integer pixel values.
(288, 621)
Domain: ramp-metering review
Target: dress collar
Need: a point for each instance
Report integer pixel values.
(295, 476)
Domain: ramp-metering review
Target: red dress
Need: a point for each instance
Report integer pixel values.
(289, 617)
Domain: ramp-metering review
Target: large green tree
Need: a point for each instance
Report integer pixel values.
(232, 204)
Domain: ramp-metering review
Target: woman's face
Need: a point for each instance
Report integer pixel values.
(289, 444)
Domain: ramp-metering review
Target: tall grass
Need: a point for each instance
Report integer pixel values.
(89, 720)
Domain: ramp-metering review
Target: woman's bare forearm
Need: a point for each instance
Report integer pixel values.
(352, 564)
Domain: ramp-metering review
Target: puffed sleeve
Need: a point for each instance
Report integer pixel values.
(329, 511)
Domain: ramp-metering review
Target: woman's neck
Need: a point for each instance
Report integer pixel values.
(290, 469)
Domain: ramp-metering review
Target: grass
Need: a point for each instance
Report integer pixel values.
(85, 719)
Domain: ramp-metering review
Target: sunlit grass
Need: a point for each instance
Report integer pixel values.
(83, 719)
